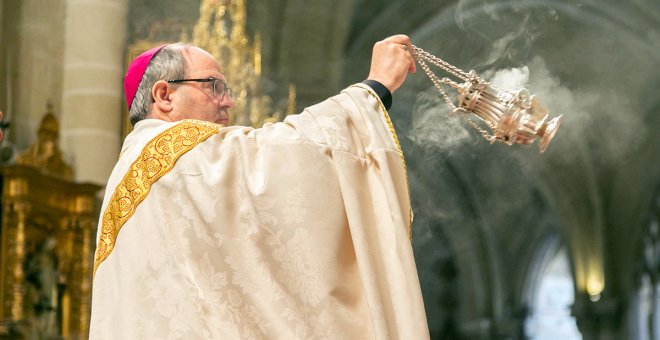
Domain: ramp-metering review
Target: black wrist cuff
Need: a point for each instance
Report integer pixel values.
(383, 93)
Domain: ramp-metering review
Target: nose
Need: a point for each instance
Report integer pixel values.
(226, 100)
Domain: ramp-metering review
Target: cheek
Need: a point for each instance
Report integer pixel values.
(182, 103)
(203, 109)
(192, 106)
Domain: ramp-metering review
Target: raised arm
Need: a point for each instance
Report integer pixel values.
(391, 61)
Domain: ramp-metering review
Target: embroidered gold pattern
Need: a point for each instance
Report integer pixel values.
(157, 159)
(398, 147)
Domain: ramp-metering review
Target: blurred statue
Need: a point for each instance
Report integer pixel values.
(45, 153)
(42, 276)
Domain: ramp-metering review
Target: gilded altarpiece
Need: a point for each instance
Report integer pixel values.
(48, 237)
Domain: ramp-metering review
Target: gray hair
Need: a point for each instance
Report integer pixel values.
(167, 64)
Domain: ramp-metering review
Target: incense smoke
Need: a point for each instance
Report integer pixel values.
(433, 125)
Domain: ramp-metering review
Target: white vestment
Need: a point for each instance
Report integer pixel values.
(296, 230)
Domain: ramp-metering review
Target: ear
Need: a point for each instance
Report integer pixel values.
(162, 94)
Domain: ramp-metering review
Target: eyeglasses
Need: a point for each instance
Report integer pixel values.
(220, 88)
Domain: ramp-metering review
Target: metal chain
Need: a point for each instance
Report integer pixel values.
(490, 138)
(422, 56)
(439, 83)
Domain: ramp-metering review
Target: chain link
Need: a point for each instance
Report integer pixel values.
(438, 83)
(422, 56)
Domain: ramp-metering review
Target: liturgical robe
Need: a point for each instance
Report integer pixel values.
(296, 230)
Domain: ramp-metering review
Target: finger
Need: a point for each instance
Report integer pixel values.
(413, 64)
(405, 43)
(411, 59)
(398, 39)
(412, 67)
(409, 46)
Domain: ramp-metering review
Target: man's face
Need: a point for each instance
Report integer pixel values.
(195, 100)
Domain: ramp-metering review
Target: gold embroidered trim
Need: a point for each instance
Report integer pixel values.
(398, 147)
(157, 159)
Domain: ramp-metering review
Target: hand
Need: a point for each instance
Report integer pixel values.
(391, 61)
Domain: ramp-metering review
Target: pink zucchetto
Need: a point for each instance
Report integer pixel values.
(136, 71)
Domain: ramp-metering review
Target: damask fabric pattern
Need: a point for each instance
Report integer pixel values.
(296, 230)
(157, 159)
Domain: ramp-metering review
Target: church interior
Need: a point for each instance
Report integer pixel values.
(510, 243)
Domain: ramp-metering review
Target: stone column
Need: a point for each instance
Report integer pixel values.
(33, 53)
(95, 36)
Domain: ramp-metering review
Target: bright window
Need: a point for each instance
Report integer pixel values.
(550, 315)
